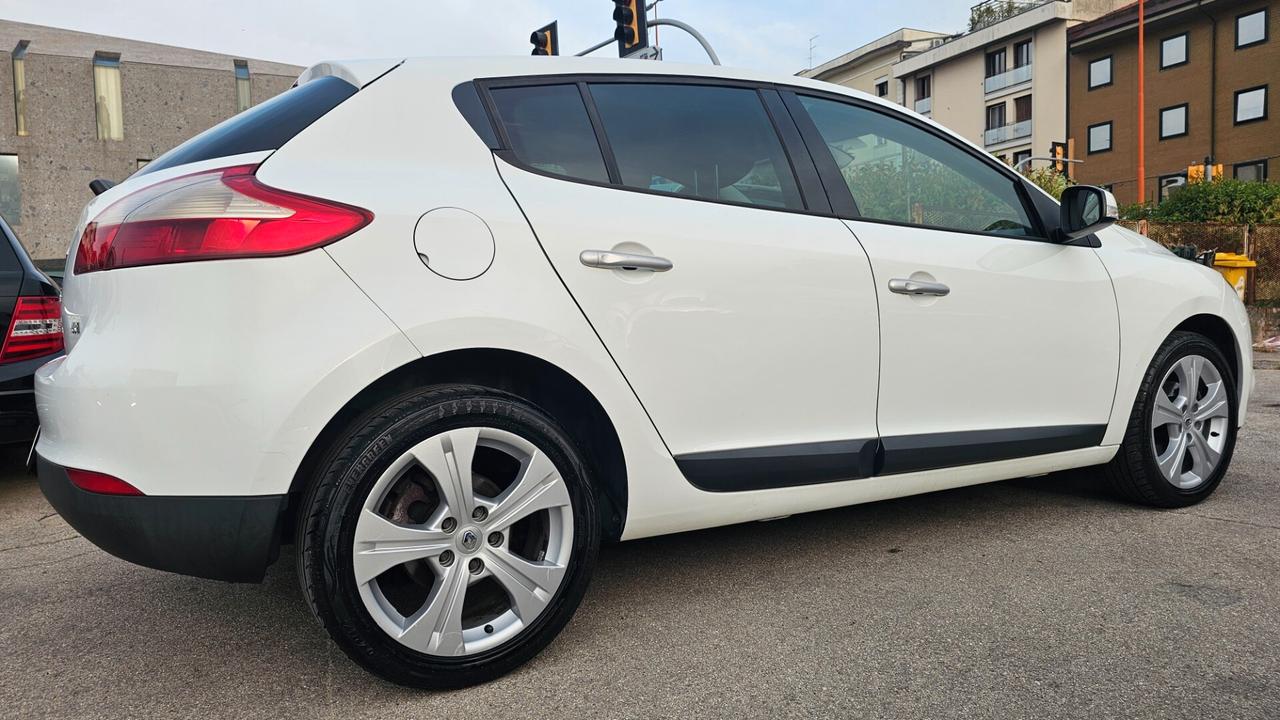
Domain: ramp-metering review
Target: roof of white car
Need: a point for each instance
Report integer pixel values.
(361, 72)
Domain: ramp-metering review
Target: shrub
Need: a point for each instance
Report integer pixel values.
(1050, 180)
(1222, 201)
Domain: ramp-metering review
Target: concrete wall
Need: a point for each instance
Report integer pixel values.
(163, 106)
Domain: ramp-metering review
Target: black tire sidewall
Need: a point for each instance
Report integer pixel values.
(1178, 347)
(344, 486)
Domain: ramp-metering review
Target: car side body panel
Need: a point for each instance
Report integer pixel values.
(1156, 291)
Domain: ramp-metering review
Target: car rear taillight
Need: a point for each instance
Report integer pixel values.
(34, 331)
(101, 483)
(220, 214)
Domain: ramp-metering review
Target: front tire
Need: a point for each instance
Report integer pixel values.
(449, 537)
(1182, 430)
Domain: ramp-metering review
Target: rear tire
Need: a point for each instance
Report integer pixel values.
(448, 537)
(1182, 430)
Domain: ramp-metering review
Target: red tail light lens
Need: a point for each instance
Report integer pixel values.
(220, 214)
(96, 482)
(34, 331)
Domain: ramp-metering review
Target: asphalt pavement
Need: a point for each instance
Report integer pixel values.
(1035, 598)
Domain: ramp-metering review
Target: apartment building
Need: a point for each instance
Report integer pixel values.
(870, 67)
(1003, 84)
(1211, 67)
(76, 106)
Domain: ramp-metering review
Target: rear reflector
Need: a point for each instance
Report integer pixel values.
(100, 483)
(34, 331)
(214, 215)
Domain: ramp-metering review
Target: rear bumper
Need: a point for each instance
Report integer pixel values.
(231, 538)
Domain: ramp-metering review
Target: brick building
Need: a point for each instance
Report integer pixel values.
(1211, 68)
(77, 106)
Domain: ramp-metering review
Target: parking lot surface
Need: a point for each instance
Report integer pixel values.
(1033, 598)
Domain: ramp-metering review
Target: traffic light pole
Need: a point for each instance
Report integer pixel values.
(711, 53)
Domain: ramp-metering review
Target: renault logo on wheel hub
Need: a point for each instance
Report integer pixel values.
(469, 539)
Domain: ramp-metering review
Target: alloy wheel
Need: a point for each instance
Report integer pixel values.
(463, 541)
(1189, 422)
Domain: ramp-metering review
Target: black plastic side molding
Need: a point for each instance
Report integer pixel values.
(778, 466)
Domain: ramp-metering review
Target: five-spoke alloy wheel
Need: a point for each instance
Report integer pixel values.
(449, 537)
(1183, 427)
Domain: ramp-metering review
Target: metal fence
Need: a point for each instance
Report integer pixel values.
(1260, 242)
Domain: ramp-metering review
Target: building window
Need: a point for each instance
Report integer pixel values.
(242, 86)
(143, 162)
(1021, 160)
(1022, 54)
(1100, 72)
(995, 63)
(108, 100)
(20, 86)
(995, 116)
(1100, 137)
(1022, 108)
(1255, 171)
(882, 88)
(1173, 51)
(924, 88)
(10, 190)
(1251, 104)
(1173, 121)
(1251, 28)
(1170, 184)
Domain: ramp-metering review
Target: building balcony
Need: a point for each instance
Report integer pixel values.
(1009, 78)
(1000, 135)
(924, 105)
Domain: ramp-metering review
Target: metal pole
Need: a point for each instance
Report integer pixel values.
(715, 59)
(1027, 161)
(595, 47)
(1142, 91)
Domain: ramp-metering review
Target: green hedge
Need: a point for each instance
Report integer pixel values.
(1220, 201)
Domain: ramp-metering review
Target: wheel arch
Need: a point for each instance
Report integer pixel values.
(540, 382)
(1219, 331)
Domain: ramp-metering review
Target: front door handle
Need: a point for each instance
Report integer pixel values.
(904, 286)
(610, 260)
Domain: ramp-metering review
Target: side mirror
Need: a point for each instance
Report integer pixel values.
(1086, 210)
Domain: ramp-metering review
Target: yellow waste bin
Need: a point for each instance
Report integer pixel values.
(1235, 269)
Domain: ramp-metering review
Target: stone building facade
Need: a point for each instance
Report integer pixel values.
(91, 106)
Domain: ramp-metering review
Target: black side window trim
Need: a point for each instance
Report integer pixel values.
(813, 205)
(842, 198)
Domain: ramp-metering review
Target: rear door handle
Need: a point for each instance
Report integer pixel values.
(903, 286)
(610, 260)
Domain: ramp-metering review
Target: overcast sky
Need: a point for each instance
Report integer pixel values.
(764, 34)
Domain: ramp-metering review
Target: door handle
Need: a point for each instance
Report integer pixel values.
(610, 260)
(903, 286)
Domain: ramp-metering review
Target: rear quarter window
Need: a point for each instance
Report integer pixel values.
(549, 130)
(267, 126)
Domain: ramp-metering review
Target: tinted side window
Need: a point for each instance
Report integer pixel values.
(549, 130)
(700, 141)
(900, 173)
(263, 127)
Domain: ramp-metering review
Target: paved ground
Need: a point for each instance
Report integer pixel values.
(1033, 598)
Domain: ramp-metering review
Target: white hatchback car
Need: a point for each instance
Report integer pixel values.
(447, 325)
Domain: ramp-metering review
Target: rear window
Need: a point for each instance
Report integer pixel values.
(263, 127)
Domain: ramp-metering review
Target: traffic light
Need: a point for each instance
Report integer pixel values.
(632, 32)
(546, 40)
(1058, 151)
